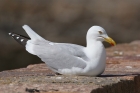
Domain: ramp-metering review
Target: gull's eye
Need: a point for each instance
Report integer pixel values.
(100, 32)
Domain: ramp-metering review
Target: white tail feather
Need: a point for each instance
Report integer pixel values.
(33, 35)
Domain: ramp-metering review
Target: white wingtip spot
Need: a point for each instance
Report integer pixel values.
(22, 40)
(13, 35)
(17, 37)
(10, 33)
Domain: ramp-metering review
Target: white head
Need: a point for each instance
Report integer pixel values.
(97, 33)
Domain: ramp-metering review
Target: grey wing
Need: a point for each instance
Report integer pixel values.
(60, 56)
(63, 60)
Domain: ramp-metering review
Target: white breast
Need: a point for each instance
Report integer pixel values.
(97, 59)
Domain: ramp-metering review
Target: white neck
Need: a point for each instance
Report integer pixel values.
(90, 48)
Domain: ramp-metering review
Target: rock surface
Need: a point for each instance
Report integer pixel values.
(121, 76)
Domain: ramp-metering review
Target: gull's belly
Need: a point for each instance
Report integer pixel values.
(95, 69)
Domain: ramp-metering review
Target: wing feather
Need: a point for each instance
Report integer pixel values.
(60, 55)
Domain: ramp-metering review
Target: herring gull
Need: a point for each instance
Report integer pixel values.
(66, 58)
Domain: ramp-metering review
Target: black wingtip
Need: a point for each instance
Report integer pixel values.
(19, 38)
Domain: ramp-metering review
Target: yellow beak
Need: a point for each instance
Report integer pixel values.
(110, 40)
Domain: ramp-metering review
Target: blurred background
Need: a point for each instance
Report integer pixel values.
(63, 21)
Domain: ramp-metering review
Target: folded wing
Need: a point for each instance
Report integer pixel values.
(59, 56)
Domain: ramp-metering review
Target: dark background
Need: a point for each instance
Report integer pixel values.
(63, 21)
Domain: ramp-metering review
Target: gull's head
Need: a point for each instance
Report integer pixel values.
(99, 34)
